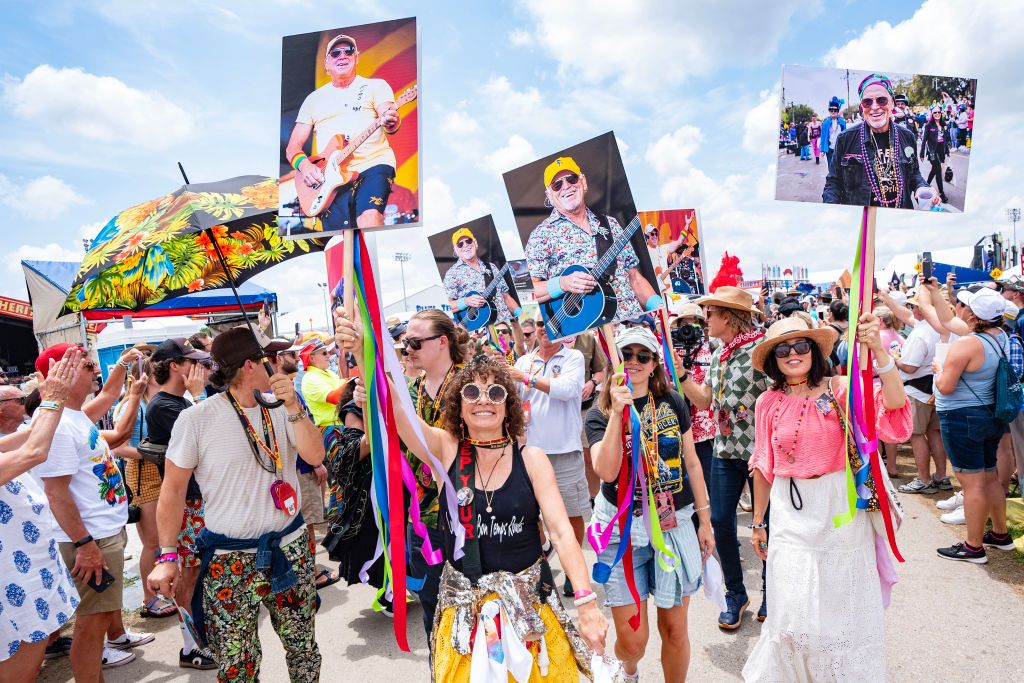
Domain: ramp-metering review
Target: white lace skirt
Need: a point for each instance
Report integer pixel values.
(825, 616)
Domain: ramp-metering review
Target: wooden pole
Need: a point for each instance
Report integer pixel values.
(613, 353)
(348, 254)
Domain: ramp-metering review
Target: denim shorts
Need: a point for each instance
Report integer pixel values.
(971, 436)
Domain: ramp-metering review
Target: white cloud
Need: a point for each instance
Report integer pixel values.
(44, 197)
(514, 154)
(760, 127)
(89, 230)
(520, 38)
(671, 152)
(634, 42)
(46, 252)
(100, 108)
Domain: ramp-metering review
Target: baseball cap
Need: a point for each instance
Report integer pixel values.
(986, 304)
(557, 166)
(240, 344)
(54, 353)
(1011, 311)
(311, 347)
(177, 347)
(898, 297)
(460, 233)
(341, 38)
(638, 335)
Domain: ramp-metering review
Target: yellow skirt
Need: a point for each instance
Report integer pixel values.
(452, 667)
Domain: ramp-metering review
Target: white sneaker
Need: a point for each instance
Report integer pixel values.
(745, 503)
(957, 501)
(131, 639)
(112, 657)
(954, 517)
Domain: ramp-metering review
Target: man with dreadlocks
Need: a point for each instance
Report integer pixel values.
(875, 162)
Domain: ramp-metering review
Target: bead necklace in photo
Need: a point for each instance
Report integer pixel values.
(776, 419)
(882, 170)
(268, 445)
(422, 398)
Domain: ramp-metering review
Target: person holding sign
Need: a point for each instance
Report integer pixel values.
(470, 277)
(573, 235)
(875, 162)
(677, 485)
(254, 549)
(340, 110)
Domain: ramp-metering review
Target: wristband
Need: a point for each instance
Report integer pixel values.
(298, 417)
(83, 541)
(579, 602)
(581, 594)
(50, 405)
(891, 365)
(554, 288)
(759, 525)
(123, 364)
(167, 550)
(297, 159)
(460, 305)
(518, 312)
(653, 302)
(533, 382)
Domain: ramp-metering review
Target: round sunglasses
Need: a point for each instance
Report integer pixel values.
(801, 347)
(869, 102)
(492, 393)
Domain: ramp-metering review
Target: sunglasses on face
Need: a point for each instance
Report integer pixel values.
(20, 400)
(570, 179)
(464, 242)
(492, 393)
(833, 110)
(801, 347)
(528, 335)
(504, 332)
(869, 102)
(415, 343)
(90, 365)
(642, 357)
(339, 51)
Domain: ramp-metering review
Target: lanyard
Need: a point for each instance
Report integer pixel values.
(543, 366)
(268, 445)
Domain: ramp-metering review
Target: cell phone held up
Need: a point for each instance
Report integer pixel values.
(926, 265)
(104, 583)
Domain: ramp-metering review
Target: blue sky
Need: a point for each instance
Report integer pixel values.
(101, 99)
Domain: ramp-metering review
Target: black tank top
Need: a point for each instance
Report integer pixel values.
(509, 535)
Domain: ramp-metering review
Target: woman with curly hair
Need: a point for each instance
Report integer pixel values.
(503, 489)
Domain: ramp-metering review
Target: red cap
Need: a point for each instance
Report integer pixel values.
(55, 353)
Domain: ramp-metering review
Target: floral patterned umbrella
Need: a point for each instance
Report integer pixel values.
(163, 248)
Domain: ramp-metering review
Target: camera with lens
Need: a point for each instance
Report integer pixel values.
(689, 338)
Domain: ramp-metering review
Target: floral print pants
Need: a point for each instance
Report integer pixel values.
(233, 591)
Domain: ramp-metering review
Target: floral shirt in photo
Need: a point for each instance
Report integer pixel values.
(558, 243)
(463, 278)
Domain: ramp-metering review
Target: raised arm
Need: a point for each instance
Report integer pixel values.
(103, 401)
(122, 431)
(606, 454)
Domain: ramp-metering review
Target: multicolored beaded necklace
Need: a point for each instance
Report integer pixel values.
(884, 167)
(776, 442)
(436, 403)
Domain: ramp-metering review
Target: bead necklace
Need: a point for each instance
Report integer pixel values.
(435, 404)
(796, 384)
(490, 443)
(883, 168)
(776, 442)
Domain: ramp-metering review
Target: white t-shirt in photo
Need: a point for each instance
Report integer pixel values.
(96, 486)
(209, 439)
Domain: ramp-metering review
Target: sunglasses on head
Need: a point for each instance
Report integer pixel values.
(492, 393)
(642, 357)
(801, 347)
(571, 179)
(339, 51)
(869, 102)
(415, 343)
(464, 242)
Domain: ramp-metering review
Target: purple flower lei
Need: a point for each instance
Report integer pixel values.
(869, 168)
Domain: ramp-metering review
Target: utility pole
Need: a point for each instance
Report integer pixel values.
(327, 308)
(1013, 215)
(402, 257)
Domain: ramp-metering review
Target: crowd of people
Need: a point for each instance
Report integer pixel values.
(530, 432)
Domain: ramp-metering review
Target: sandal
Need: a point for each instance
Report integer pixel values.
(150, 610)
(331, 579)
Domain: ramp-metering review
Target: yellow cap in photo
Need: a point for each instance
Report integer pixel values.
(460, 233)
(558, 165)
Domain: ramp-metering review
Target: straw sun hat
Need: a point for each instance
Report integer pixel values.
(792, 328)
(730, 297)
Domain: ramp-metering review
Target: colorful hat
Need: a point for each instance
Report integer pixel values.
(460, 233)
(835, 102)
(558, 165)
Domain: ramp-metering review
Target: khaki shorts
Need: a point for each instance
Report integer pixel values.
(571, 476)
(925, 419)
(145, 489)
(312, 497)
(112, 599)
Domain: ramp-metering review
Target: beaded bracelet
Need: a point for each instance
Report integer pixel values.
(167, 557)
(759, 525)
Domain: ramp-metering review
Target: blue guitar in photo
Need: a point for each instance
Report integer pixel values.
(474, 319)
(573, 313)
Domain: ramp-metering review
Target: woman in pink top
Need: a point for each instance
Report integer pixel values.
(889, 331)
(826, 620)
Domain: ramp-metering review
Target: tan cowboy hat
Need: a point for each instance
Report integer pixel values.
(730, 297)
(792, 328)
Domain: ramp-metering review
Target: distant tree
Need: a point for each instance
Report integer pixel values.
(796, 113)
(925, 90)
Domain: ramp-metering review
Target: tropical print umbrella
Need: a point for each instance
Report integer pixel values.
(163, 248)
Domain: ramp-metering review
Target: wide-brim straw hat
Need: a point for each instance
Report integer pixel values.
(730, 297)
(793, 328)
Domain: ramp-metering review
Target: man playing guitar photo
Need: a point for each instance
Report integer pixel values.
(575, 235)
(343, 108)
(466, 281)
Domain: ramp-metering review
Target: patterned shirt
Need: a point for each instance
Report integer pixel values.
(431, 411)
(463, 278)
(558, 243)
(735, 386)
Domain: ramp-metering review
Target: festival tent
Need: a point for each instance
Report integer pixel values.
(49, 282)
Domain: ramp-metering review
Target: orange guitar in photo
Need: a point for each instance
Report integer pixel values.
(334, 164)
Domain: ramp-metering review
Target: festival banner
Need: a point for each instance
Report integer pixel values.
(675, 246)
(884, 138)
(583, 277)
(477, 278)
(349, 130)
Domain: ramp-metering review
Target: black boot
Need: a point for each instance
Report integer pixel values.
(817, 160)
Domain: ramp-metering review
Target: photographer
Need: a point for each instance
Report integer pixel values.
(692, 352)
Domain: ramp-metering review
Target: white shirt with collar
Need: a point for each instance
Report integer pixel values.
(555, 419)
